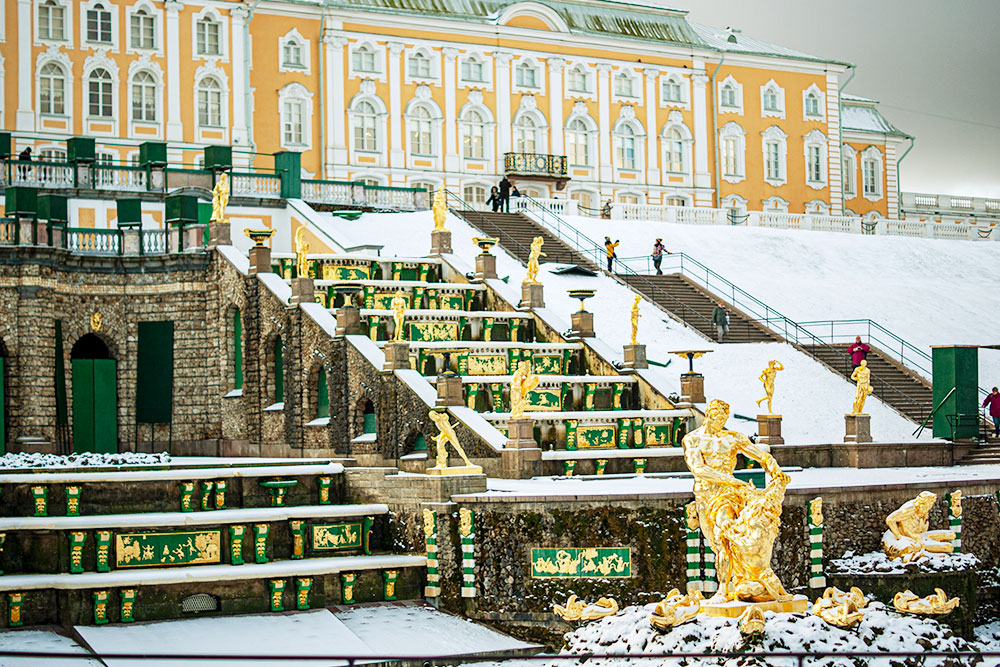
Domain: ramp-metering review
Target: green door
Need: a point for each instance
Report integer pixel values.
(95, 406)
(3, 413)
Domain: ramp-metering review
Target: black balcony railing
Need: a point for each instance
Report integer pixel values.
(535, 164)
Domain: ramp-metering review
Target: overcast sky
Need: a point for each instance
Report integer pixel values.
(934, 65)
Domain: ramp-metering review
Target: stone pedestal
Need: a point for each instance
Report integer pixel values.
(693, 387)
(582, 324)
(449, 390)
(303, 291)
(348, 321)
(521, 458)
(131, 241)
(441, 243)
(194, 237)
(219, 233)
(858, 428)
(260, 260)
(531, 295)
(635, 357)
(397, 355)
(486, 266)
(769, 430)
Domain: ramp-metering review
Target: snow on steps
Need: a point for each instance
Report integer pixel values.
(177, 474)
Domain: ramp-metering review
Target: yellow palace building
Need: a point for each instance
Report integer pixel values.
(592, 99)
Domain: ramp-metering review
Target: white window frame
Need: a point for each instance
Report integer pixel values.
(296, 93)
(779, 96)
(684, 85)
(475, 104)
(541, 131)
(112, 83)
(733, 130)
(774, 204)
(589, 77)
(849, 177)
(433, 119)
(476, 184)
(294, 36)
(220, 77)
(85, 10)
(872, 155)
(818, 207)
(367, 95)
(528, 63)
(152, 67)
(64, 63)
(487, 70)
(67, 28)
(737, 89)
(378, 51)
(434, 59)
(593, 197)
(637, 135)
(775, 136)
(675, 123)
(820, 96)
(210, 14)
(589, 136)
(636, 83)
(157, 17)
(816, 139)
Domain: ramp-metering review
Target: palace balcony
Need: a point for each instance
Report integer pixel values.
(537, 166)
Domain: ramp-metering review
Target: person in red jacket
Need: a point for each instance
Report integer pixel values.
(858, 351)
(993, 400)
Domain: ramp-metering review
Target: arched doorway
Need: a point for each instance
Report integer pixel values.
(95, 396)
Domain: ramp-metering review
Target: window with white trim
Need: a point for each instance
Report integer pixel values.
(365, 126)
(814, 149)
(475, 194)
(625, 147)
(291, 54)
(811, 105)
(473, 70)
(142, 29)
(775, 147)
(673, 151)
(421, 136)
(584, 200)
(209, 103)
(578, 142)
(772, 100)
(675, 201)
(871, 173)
(144, 97)
(51, 20)
(814, 164)
(577, 80)
(473, 135)
(98, 25)
(292, 121)
(732, 148)
(772, 162)
(99, 94)
(849, 170)
(52, 90)
(624, 85)
(364, 59)
(207, 40)
(526, 134)
(673, 90)
(418, 66)
(730, 95)
(526, 75)
(628, 198)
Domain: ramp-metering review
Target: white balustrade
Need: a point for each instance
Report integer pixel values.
(263, 186)
(557, 206)
(121, 179)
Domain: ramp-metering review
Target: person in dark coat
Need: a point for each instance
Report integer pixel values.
(24, 156)
(494, 200)
(504, 205)
(993, 400)
(720, 318)
(858, 351)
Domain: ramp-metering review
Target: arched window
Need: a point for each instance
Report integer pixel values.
(365, 127)
(673, 93)
(363, 59)
(624, 85)
(526, 75)
(775, 149)
(420, 131)
(209, 103)
(144, 94)
(474, 194)
(526, 134)
(849, 170)
(207, 37)
(291, 54)
(322, 395)
(814, 147)
(419, 66)
(577, 80)
(474, 135)
(142, 30)
(52, 89)
(625, 147)
(99, 90)
(578, 142)
(728, 96)
(99, 24)
(673, 151)
(772, 99)
(871, 173)
(472, 70)
(732, 149)
(813, 101)
(51, 20)
(812, 104)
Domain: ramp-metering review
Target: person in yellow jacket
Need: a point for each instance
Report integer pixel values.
(609, 248)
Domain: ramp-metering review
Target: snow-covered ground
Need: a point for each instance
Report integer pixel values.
(84, 460)
(811, 399)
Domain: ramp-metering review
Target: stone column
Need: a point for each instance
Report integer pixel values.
(556, 115)
(692, 387)
(521, 458)
(25, 100)
(635, 357)
(582, 324)
(449, 390)
(397, 355)
(260, 260)
(450, 121)
(769, 430)
(397, 152)
(858, 428)
(486, 266)
(653, 173)
(239, 16)
(700, 112)
(532, 296)
(175, 125)
(503, 107)
(604, 120)
(303, 291)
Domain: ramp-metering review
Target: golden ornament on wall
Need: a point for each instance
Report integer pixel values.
(96, 322)
(936, 604)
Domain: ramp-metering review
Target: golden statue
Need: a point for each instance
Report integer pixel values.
(440, 209)
(635, 319)
(577, 610)
(752, 621)
(767, 377)
(908, 536)
(862, 375)
(531, 278)
(839, 608)
(739, 522)
(816, 511)
(301, 252)
(676, 609)
(938, 603)
(521, 384)
(430, 522)
(398, 307)
(446, 435)
(220, 198)
(956, 503)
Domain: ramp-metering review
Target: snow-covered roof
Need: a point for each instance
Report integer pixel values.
(860, 114)
(719, 39)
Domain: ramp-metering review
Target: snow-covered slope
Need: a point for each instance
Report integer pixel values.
(811, 399)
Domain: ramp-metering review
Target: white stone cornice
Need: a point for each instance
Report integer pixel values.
(175, 6)
(699, 79)
(239, 13)
(449, 53)
(503, 58)
(651, 73)
(555, 63)
(395, 48)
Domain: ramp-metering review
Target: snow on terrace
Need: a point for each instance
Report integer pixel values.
(811, 399)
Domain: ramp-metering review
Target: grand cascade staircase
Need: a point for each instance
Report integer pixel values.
(516, 232)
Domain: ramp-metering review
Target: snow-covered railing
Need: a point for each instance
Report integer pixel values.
(557, 206)
(120, 179)
(263, 186)
(689, 215)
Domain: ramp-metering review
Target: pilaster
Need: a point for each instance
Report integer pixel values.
(604, 119)
(700, 112)
(653, 173)
(397, 152)
(25, 103)
(175, 124)
(503, 107)
(556, 120)
(450, 122)
(335, 154)
(239, 16)
(833, 150)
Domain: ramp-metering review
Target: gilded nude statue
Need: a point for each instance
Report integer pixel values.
(301, 253)
(398, 307)
(531, 278)
(767, 377)
(635, 320)
(521, 384)
(862, 376)
(220, 198)
(908, 536)
(447, 436)
(440, 209)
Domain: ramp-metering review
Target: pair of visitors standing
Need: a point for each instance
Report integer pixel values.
(658, 251)
(993, 400)
(858, 351)
(503, 202)
(609, 250)
(720, 318)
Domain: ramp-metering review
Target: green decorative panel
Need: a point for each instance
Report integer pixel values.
(658, 435)
(433, 331)
(334, 536)
(451, 302)
(54, 208)
(21, 201)
(582, 563)
(160, 549)
(545, 399)
(595, 437)
(129, 212)
(335, 272)
(155, 381)
(181, 209)
(547, 364)
(487, 364)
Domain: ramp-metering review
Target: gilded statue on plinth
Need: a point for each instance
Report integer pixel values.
(862, 375)
(767, 377)
(447, 436)
(301, 253)
(635, 320)
(522, 383)
(220, 198)
(440, 209)
(908, 536)
(531, 278)
(740, 523)
(398, 307)
(936, 604)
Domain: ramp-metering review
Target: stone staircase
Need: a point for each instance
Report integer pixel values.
(516, 232)
(85, 547)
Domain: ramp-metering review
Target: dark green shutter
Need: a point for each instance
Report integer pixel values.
(322, 395)
(62, 414)
(105, 406)
(279, 372)
(420, 444)
(83, 405)
(155, 373)
(369, 422)
(3, 412)
(237, 350)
